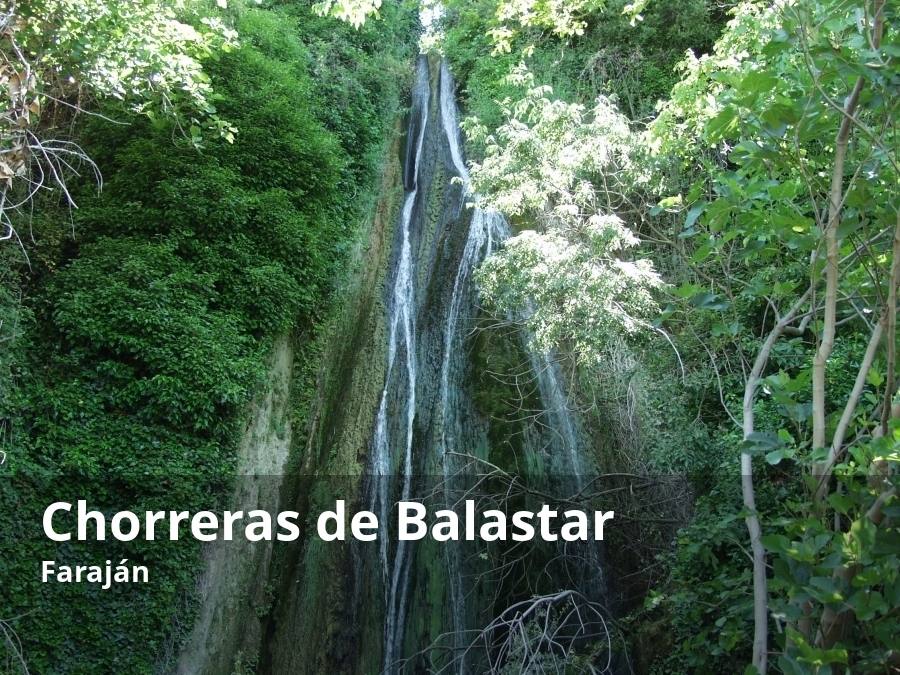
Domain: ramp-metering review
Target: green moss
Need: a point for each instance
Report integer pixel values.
(501, 393)
(334, 405)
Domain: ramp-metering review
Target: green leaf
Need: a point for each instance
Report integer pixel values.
(875, 376)
(669, 202)
(761, 441)
(841, 503)
(774, 457)
(867, 604)
(687, 290)
(759, 81)
(707, 300)
(723, 124)
(825, 590)
(777, 543)
(693, 214)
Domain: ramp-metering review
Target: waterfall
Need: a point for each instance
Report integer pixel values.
(488, 228)
(402, 336)
(483, 228)
(405, 389)
(556, 406)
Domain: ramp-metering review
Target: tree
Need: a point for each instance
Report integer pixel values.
(59, 57)
(354, 12)
(826, 211)
(560, 171)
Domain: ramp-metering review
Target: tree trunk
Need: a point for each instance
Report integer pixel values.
(758, 551)
(826, 343)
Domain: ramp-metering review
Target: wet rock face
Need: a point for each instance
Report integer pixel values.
(332, 601)
(232, 588)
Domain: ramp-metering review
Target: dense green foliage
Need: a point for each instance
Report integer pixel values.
(57, 57)
(772, 93)
(710, 236)
(745, 196)
(151, 328)
(632, 63)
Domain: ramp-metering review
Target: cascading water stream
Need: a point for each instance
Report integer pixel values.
(556, 406)
(486, 229)
(402, 333)
(565, 442)
(478, 244)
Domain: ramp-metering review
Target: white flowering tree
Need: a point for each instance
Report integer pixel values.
(558, 170)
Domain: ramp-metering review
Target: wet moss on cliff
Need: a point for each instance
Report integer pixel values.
(313, 580)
